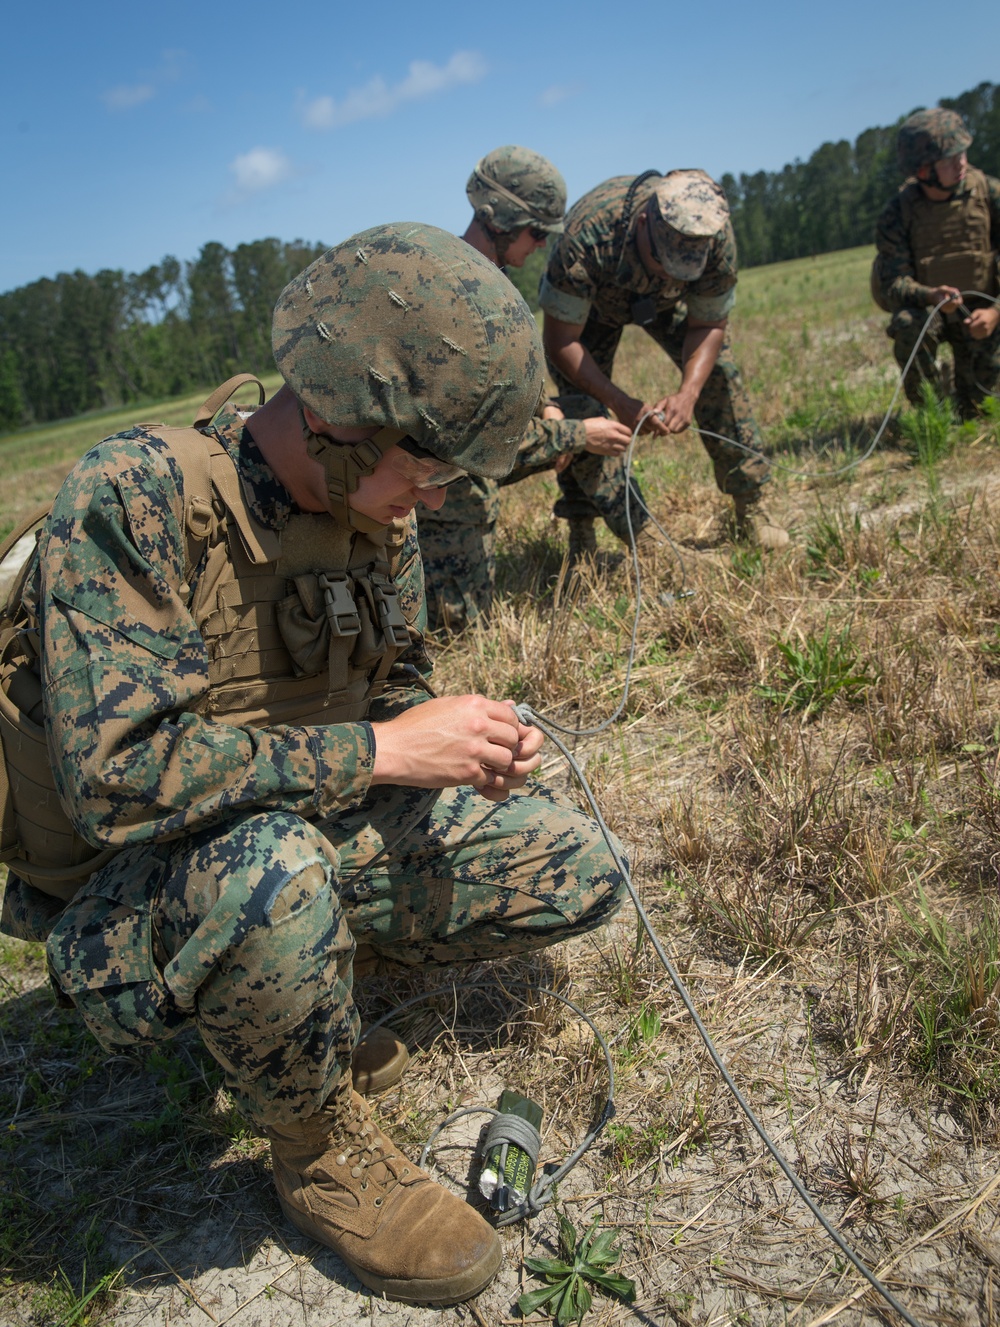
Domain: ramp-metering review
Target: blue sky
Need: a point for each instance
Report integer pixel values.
(130, 131)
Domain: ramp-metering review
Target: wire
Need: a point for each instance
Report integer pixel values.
(543, 1190)
(852, 465)
(528, 716)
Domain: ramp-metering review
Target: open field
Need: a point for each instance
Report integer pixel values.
(805, 776)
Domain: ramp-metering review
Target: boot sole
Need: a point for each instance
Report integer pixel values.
(431, 1293)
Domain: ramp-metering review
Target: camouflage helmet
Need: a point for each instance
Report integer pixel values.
(929, 136)
(687, 211)
(513, 187)
(407, 327)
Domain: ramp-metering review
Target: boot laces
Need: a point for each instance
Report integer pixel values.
(368, 1152)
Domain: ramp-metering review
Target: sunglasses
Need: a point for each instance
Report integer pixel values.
(538, 234)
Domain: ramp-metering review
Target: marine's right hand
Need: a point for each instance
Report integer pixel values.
(606, 437)
(951, 294)
(453, 741)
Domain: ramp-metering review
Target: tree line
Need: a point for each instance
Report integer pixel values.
(832, 201)
(78, 342)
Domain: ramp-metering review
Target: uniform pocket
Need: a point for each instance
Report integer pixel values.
(101, 955)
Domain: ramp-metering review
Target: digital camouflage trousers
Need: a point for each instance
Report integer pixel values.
(249, 929)
(723, 406)
(977, 363)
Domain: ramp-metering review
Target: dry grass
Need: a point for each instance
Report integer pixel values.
(805, 774)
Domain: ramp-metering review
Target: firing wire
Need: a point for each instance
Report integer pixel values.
(528, 716)
(542, 1191)
(851, 465)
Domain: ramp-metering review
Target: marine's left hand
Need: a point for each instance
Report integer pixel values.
(677, 411)
(983, 322)
(526, 759)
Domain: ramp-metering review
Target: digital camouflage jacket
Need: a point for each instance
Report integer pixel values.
(584, 276)
(139, 756)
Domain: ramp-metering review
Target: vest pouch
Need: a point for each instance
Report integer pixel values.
(39, 843)
(101, 955)
(965, 271)
(383, 626)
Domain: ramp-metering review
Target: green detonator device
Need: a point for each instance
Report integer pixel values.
(510, 1151)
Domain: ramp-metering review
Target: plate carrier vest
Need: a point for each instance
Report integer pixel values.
(301, 627)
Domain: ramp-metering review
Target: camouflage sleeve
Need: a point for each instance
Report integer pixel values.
(125, 672)
(568, 286)
(711, 298)
(896, 272)
(545, 439)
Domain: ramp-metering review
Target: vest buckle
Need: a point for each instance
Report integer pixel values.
(341, 610)
(390, 616)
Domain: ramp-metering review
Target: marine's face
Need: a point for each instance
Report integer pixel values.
(524, 245)
(951, 170)
(395, 486)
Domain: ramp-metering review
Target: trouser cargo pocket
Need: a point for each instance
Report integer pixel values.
(101, 955)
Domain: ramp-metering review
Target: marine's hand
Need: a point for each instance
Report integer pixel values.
(630, 411)
(456, 740)
(526, 759)
(676, 411)
(983, 322)
(551, 411)
(951, 294)
(606, 437)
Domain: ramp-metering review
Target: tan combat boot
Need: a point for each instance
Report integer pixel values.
(341, 1182)
(379, 1060)
(752, 525)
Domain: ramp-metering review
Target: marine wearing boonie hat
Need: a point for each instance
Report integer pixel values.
(686, 212)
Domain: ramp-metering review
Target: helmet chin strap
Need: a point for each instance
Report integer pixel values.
(500, 239)
(935, 182)
(344, 464)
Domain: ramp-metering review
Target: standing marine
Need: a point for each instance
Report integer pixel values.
(518, 200)
(659, 251)
(222, 630)
(938, 240)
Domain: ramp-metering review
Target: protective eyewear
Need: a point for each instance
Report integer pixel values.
(538, 233)
(426, 471)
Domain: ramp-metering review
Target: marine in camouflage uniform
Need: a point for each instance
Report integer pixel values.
(938, 237)
(658, 251)
(518, 200)
(254, 854)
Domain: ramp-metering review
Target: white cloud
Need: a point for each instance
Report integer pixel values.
(557, 93)
(259, 169)
(377, 99)
(124, 98)
(129, 95)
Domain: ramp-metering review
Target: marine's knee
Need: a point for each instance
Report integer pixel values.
(905, 327)
(593, 884)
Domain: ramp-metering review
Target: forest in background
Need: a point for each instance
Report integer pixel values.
(79, 342)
